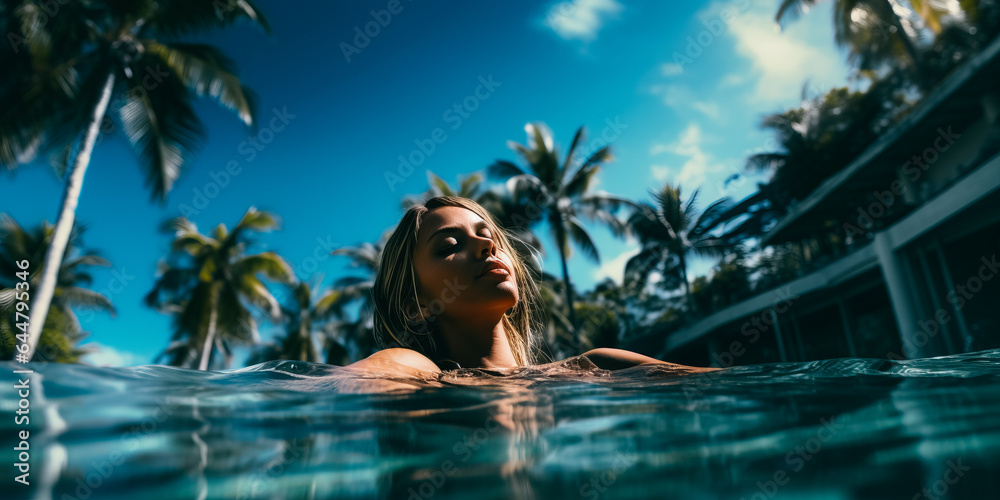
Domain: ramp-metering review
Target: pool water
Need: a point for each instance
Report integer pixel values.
(843, 428)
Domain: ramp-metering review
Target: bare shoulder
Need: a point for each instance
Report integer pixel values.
(398, 360)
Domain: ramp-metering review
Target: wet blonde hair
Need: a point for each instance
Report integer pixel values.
(395, 289)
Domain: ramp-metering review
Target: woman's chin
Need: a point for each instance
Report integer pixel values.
(509, 288)
(502, 300)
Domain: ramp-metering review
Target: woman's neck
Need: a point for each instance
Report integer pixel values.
(474, 345)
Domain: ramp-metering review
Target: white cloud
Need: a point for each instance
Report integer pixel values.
(694, 171)
(580, 19)
(711, 109)
(679, 96)
(109, 356)
(734, 79)
(660, 172)
(783, 61)
(671, 69)
(615, 268)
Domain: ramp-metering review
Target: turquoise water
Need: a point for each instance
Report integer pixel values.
(844, 428)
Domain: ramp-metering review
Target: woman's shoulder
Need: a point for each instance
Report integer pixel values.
(400, 355)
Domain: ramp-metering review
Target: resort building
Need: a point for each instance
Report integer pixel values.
(919, 274)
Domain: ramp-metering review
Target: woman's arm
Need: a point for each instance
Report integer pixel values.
(608, 358)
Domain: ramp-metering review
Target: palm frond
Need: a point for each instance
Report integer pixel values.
(503, 169)
(207, 71)
(268, 263)
(582, 239)
(85, 298)
(438, 185)
(180, 17)
(571, 152)
(162, 128)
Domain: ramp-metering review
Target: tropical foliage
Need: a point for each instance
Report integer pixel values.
(72, 75)
(559, 194)
(825, 133)
(74, 78)
(211, 288)
(883, 34)
(669, 230)
(304, 318)
(356, 291)
(62, 330)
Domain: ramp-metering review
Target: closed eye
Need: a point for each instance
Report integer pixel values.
(446, 250)
(450, 248)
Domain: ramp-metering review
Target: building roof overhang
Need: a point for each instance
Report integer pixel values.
(954, 104)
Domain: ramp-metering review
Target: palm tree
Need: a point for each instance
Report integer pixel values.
(668, 232)
(205, 284)
(550, 192)
(874, 31)
(469, 186)
(63, 71)
(823, 136)
(357, 289)
(302, 319)
(62, 330)
(557, 330)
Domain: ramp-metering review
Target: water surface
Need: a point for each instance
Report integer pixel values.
(844, 428)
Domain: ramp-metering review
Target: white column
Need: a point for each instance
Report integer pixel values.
(903, 307)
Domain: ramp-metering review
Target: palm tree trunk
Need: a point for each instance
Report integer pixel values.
(561, 243)
(227, 355)
(687, 286)
(206, 349)
(67, 214)
(308, 349)
(907, 43)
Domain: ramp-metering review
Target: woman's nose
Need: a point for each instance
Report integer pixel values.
(488, 248)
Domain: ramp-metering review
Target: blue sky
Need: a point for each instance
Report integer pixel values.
(678, 88)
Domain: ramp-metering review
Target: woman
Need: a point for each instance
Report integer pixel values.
(450, 292)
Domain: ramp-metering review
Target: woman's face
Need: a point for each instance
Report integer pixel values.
(453, 246)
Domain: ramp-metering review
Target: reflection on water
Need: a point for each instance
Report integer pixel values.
(847, 428)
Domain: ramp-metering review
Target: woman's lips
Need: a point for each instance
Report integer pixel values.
(495, 272)
(494, 268)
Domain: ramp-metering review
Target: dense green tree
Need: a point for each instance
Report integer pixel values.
(822, 137)
(728, 284)
(874, 31)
